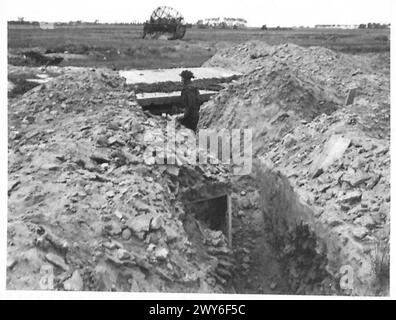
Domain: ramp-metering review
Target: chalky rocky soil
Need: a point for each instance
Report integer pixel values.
(90, 209)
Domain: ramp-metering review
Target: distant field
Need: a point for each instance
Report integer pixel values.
(121, 47)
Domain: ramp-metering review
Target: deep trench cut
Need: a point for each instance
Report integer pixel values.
(298, 240)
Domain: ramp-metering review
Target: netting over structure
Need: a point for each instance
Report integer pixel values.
(166, 13)
(165, 20)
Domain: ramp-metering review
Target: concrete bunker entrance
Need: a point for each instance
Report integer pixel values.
(158, 90)
(158, 103)
(215, 213)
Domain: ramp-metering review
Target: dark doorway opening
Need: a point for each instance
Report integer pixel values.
(214, 213)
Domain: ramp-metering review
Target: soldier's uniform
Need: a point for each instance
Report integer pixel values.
(191, 103)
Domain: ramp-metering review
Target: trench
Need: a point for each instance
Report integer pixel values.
(257, 269)
(270, 253)
(272, 248)
(277, 248)
(275, 245)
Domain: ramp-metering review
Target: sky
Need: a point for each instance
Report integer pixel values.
(256, 12)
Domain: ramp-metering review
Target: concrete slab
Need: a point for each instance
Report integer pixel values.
(150, 76)
(162, 98)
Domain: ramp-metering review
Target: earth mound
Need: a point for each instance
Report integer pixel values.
(89, 206)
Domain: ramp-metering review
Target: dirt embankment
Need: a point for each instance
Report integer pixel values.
(287, 84)
(89, 209)
(323, 172)
(339, 177)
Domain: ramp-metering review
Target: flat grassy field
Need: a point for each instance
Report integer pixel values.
(121, 46)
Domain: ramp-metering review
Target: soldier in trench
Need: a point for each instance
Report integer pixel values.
(190, 100)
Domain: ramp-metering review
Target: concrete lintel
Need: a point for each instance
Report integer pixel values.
(161, 98)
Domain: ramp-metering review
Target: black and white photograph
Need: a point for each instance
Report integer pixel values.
(197, 147)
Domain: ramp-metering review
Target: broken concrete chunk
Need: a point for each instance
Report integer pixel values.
(161, 253)
(141, 206)
(357, 179)
(123, 254)
(332, 151)
(74, 283)
(118, 214)
(171, 233)
(149, 160)
(110, 245)
(126, 234)
(173, 170)
(156, 223)
(351, 197)
(140, 223)
(374, 181)
(11, 262)
(57, 261)
(289, 140)
(359, 233)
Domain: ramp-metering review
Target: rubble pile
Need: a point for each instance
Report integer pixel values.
(89, 207)
(24, 78)
(324, 166)
(286, 85)
(336, 72)
(268, 103)
(336, 179)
